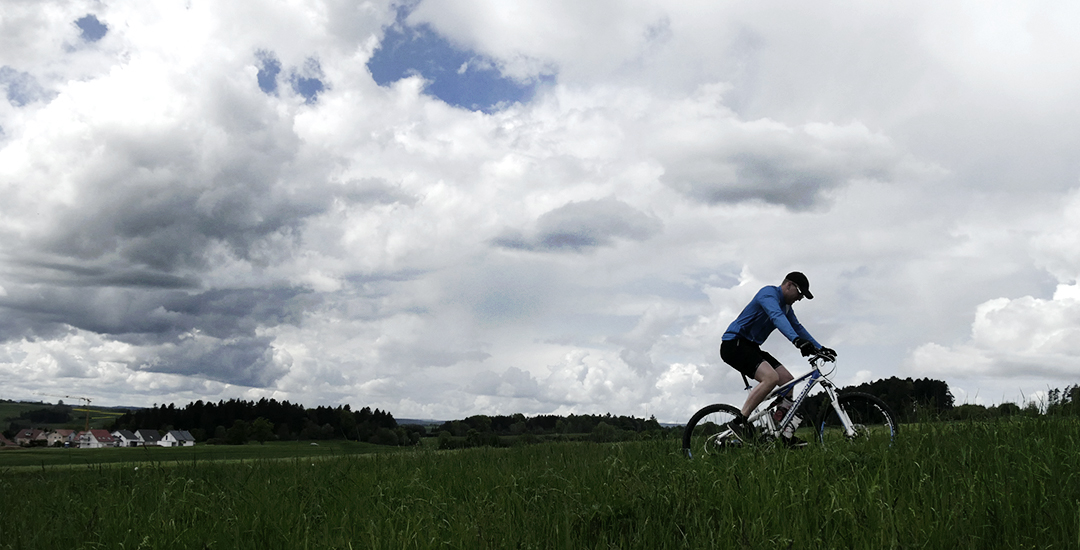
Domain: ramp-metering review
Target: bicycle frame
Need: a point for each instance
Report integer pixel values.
(813, 378)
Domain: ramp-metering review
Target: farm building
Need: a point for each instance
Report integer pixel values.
(96, 439)
(60, 438)
(148, 437)
(125, 438)
(177, 438)
(28, 437)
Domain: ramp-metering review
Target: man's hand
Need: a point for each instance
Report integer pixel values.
(828, 353)
(805, 346)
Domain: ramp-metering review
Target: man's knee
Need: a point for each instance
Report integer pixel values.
(783, 375)
(767, 375)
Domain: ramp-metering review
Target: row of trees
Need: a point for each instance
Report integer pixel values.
(926, 399)
(58, 414)
(236, 421)
(1064, 402)
(52, 415)
(911, 399)
(1058, 402)
(519, 424)
(500, 431)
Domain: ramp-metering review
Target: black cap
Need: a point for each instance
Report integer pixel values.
(800, 281)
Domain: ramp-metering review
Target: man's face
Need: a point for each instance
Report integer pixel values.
(791, 292)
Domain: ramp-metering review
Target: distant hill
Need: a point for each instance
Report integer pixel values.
(39, 414)
(419, 422)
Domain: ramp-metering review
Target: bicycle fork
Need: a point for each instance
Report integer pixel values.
(845, 420)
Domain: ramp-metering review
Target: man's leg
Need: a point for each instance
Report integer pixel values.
(788, 437)
(784, 375)
(767, 378)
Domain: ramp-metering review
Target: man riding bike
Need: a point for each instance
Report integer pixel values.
(741, 346)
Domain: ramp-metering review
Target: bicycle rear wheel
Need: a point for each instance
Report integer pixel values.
(709, 432)
(873, 421)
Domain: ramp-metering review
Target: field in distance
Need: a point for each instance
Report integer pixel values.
(20, 459)
(100, 417)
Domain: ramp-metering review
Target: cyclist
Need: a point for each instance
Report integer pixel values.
(741, 346)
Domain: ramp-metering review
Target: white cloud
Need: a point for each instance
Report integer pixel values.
(582, 252)
(1057, 247)
(1025, 336)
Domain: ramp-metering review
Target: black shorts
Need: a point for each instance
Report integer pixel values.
(745, 356)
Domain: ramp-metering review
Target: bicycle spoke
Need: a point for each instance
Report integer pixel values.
(871, 422)
(710, 431)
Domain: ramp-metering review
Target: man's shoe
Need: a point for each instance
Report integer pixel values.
(742, 429)
(794, 442)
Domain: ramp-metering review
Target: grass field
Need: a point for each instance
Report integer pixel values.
(1008, 484)
(24, 459)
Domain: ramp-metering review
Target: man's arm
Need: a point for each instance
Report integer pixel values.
(804, 336)
(801, 330)
(770, 302)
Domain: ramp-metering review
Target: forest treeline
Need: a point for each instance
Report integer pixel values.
(238, 421)
(501, 430)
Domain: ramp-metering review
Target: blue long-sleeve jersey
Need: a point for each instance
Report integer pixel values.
(767, 311)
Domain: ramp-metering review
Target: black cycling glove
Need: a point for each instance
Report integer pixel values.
(805, 346)
(828, 353)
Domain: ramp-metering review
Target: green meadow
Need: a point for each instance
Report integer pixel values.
(24, 459)
(1011, 483)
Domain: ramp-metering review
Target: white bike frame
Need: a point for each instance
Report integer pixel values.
(813, 378)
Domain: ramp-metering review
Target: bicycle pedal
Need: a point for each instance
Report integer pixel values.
(794, 442)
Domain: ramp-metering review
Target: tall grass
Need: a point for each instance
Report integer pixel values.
(1007, 484)
(21, 459)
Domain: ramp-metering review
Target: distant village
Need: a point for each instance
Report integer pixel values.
(97, 439)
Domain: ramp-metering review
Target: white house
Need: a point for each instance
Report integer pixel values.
(177, 438)
(148, 437)
(125, 438)
(96, 439)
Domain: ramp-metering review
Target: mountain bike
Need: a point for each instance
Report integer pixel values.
(845, 418)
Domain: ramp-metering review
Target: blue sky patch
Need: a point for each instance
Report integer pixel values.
(308, 81)
(92, 29)
(269, 67)
(461, 78)
(309, 88)
(21, 88)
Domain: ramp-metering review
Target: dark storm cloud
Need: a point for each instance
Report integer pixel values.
(768, 162)
(160, 212)
(67, 274)
(210, 334)
(243, 361)
(580, 226)
(768, 178)
(146, 317)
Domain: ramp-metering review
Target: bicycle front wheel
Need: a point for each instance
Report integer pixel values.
(872, 421)
(709, 431)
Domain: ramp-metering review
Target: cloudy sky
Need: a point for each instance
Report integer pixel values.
(483, 207)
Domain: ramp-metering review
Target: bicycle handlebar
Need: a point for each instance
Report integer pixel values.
(818, 358)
